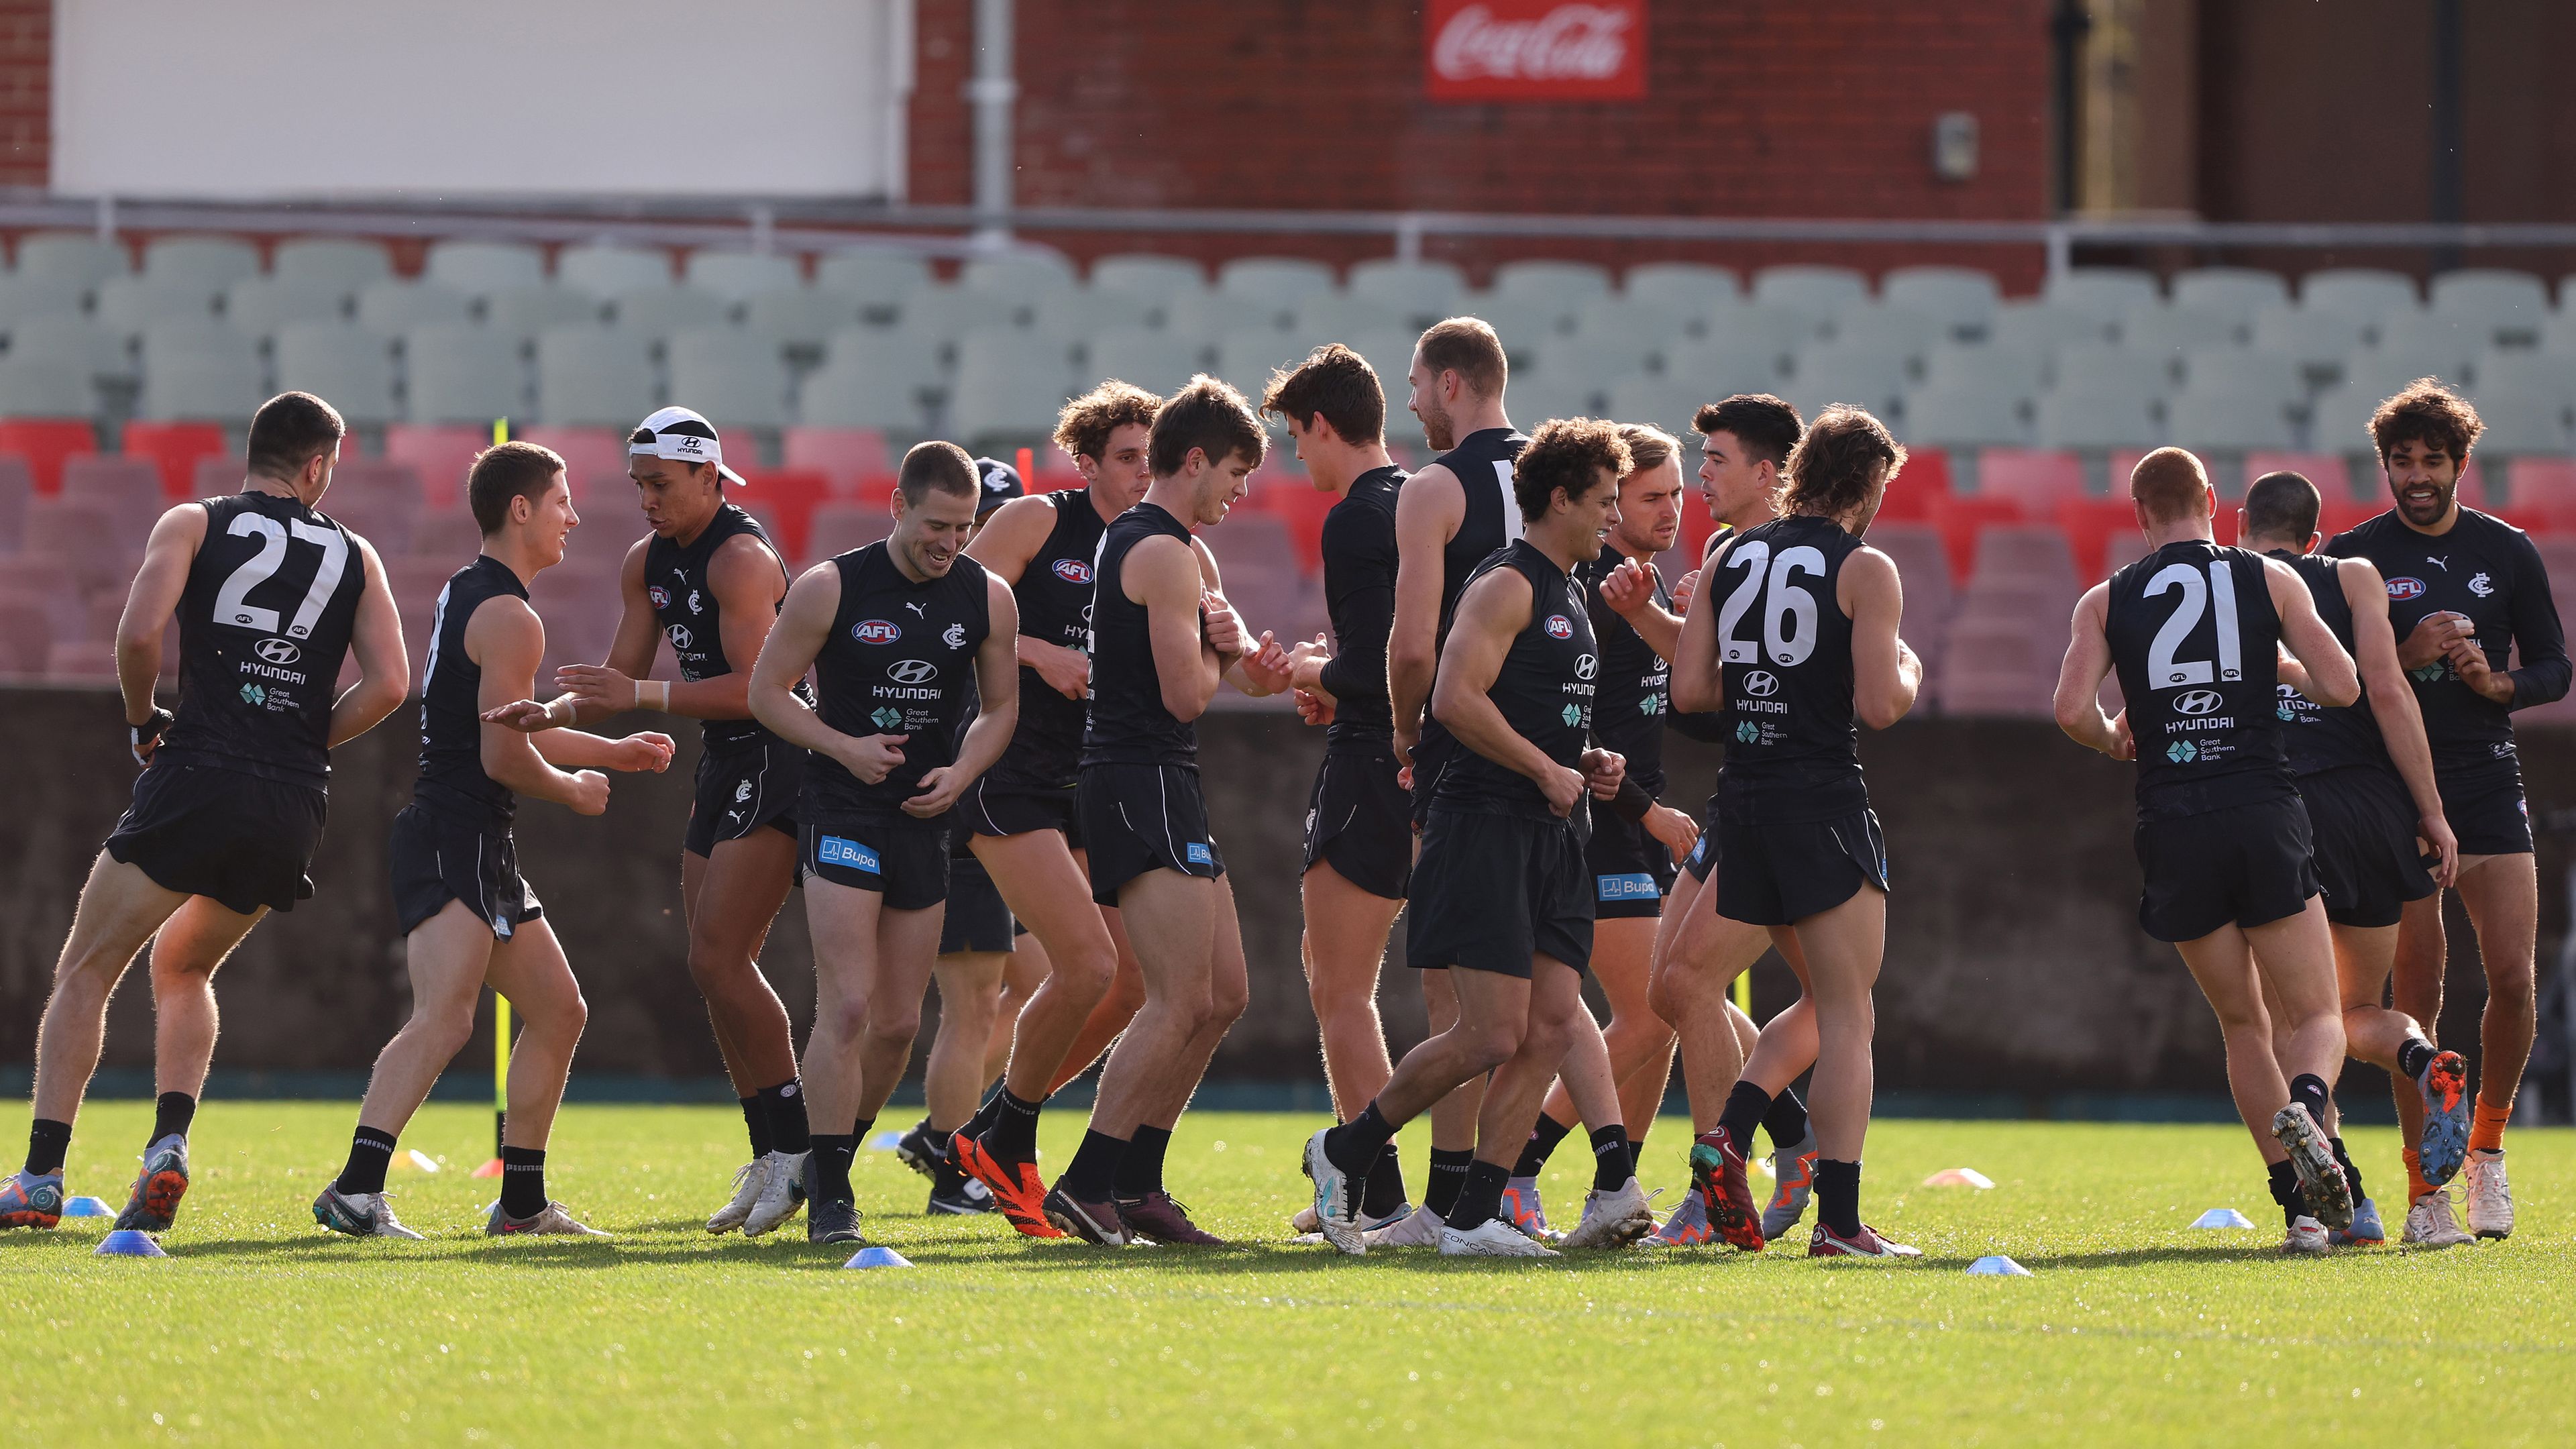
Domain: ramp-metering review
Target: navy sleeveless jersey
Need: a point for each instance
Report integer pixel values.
(264, 622)
(2317, 738)
(1359, 596)
(1482, 463)
(1636, 683)
(1054, 597)
(900, 660)
(2195, 638)
(451, 724)
(1129, 725)
(1544, 690)
(675, 580)
(1792, 737)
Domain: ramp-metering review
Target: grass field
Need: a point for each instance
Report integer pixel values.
(2135, 1329)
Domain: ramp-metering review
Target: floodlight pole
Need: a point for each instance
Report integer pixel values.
(992, 91)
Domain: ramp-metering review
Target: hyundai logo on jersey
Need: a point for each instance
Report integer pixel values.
(278, 651)
(2199, 701)
(912, 671)
(876, 631)
(1762, 684)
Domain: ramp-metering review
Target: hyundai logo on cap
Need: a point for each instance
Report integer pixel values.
(680, 436)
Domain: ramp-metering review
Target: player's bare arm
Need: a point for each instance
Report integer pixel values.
(506, 641)
(1491, 613)
(1698, 682)
(1630, 593)
(376, 642)
(1265, 667)
(149, 603)
(2079, 679)
(2392, 705)
(784, 659)
(1428, 512)
(2332, 680)
(1886, 675)
(997, 687)
(1004, 545)
(1164, 577)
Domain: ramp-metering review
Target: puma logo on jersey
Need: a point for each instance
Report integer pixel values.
(2444, 564)
(916, 611)
(2480, 585)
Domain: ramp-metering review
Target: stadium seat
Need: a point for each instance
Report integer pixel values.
(462, 374)
(1416, 293)
(1006, 394)
(474, 268)
(173, 448)
(1956, 415)
(217, 474)
(2318, 340)
(594, 457)
(45, 444)
(522, 313)
(1900, 331)
(729, 376)
(1767, 335)
(2504, 306)
(329, 264)
(580, 606)
(1652, 326)
(1606, 360)
(1154, 360)
(2098, 367)
(210, 384)
(854, 461)
(1279, 283)
(1691, 288)
(445, 537)
(2368, 295)
(131, 491)
(26, 638)
(592, 377)
(2169, 332)
(439, 454)
(836, 528)
(378, 499)
(1538, 396)
(2541, 374)
(654, 313)
(1329, 317)
(2025, 552)
(2036, 479)
(736, 276)
(877, 280)
(1920, 492)
(1281, 489)
(2044, 326)
(1818, 293)
(800, 317)
(935, 317)
(83, 538)
(261, 305)
(787, 498)
(1246, 358)
(2104, 293)
(2092, 525)
(1149, 276)
(2096, 418)
(608, 270)
(1831, 372)
(2402, 357)
(2520, 423)
(2214, 419)
(352, 368)
(210, 263)
(2328, 471)
(1664, 402)
(127, 306)
(393, 308)
(1924, 566)
(17, 490)
(2229, 291)
(76, 255)
(1075, 314)
(2540, 495)
(2339, 419)
(1021, 277)
(1998, 668)
(1961, 299)
(24, 297)
(1565, 287)
(46, 386)
(2016, 370)
(865, 382)
(1207, 316)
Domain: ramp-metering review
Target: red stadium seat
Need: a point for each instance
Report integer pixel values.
(2090, 524)
(1925, 568)
(126, 490)
(836, 528)
(852, 458)
(1960, 519)
(439, 454)
(2328, 471)
(83, 539)
(2037, 478)
(2000, 668)
(1300, 505)
(1918, 492)
(594, 457)
(26, 637)
(446, 536)
(2540, 494)
(787, 498)
(45, 443)
(17, 489)
(175, 447)
(218, 474)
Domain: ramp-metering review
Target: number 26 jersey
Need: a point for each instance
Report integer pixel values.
(2195, 639)
(1792, 741)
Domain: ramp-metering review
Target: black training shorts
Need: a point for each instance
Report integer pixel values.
(438, 858)
(999, 807)
(2485, 805)
(2246, 865)
(1632, 872)
(1432, 755)
(1493, 891)
(1359, 820)
(2363, 824)
(1779, 875)
(977, 920)
(742, 789)
(1139, 818)
(240, 840)
(1703, 856)
(896, 855)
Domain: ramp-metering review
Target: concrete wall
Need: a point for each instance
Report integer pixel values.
(2014, 962)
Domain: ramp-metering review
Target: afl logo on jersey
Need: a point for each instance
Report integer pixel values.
(876, 631)
(277, 651)
(1559, 627)
(1073, 571)
(660, 596)
(1761, 684)
(2405, 588)
(678, 635)
(2199, 701)
(912, 671)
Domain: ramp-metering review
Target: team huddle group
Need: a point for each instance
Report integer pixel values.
(973, 747)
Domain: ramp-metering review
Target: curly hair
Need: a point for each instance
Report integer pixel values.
(1568, 454)
(1830, 468)
(1083, 428)
(2426, 412)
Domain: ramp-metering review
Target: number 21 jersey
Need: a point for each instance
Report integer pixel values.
(264, 621)
(2194, 638)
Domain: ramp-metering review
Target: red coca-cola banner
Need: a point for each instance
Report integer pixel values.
(1534, 50)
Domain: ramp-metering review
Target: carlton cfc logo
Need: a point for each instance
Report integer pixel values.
(1559, 627)
(1073, 571)
(2405, 588)
(876, 631)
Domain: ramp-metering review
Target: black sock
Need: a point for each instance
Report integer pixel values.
(985, 1111)
(1745, 1107)
(2285, 1191)
(1448, 1179)
(172, 1114)
(1480, 1197)
(1140, 1167)
(2412, 1056)
(2351, 1173)
(1786, 1123)
(1637, 1150)
(755, 1123)
(370, 1153)
(831, 1153)
(783, 1108)
(523, 1181)
(2309, 1091)
(1385, 1190)
(858, 1134)
(1542, 1141)
(1354, 1146)
(1013, 1135)
(1838, 1196)
(47, 1141)
(1612, 1161)
(1092, 1176)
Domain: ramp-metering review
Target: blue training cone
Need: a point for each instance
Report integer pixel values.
(2222, 1218)
(127, 1243)
(877, 1257)
(886, 1141)
(88, 1207)
(1998, 1266)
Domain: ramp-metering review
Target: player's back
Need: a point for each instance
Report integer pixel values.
(2194, 636)
(1784, 643)
(265, 620)
(1482, 462)
(2314, 738)
(451, 724)
(1359, 595)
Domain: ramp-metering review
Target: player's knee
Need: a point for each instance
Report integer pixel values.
(1227, 1003)
(443, 1029)
(893, 1026)
(1126, 990)
(843, 1020)
(2512, 990)
(713, 964)
(1489, 1046)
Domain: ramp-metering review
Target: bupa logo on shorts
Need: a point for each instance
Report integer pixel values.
(1761, 684)
(1559, 627)
(912, 671)
(954, 636)
(679, 635)
(876, 631)
(2200, 701)
(660, 596)
(1634, 886)
(1073, 571)
(2405, 588)
(1199, 854)
(834, 850)
(277, 651)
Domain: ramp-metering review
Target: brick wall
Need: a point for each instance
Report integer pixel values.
(26, 91)
(1814, 110)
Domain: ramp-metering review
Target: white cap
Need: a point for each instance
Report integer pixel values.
(681, 436)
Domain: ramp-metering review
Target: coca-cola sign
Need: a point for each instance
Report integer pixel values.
(1534, 50)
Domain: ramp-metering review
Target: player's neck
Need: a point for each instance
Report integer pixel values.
(1172, 495)
(2449, 520)
(276, 488)
(515, 552)
(1557, 544)
(1335, 474)
(1100, 502)
(1483, 417)
(2179, 530)
(898, 550)
(2261, 544)
(697, 531)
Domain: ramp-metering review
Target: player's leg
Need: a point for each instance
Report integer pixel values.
(120, 907)
(2396, 1042)
(1782, 1051)
(1844, 947)
(2502, 895)
(1048, 893)
(185, 954)
(953, 1079)
(693, 880)
(2284, 1080)
(529, 968)
(1023, 972)
(2415, 991)
(1475, 1225)
(1453, 1117)
(1343, 949)
(1125, 997)
(907, 945)
(742, 884)
(1598, 1065)
(844, 923)
(1145, 1206)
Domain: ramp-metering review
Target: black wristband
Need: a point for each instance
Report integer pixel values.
(1632, 802)
(137, 736)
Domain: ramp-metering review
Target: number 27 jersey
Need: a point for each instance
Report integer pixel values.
(1792, 740)
(2194, 637)
(264, 621)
